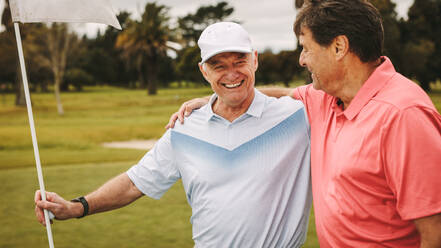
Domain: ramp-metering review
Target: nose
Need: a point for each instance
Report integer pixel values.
(232, 75)
(302, 59)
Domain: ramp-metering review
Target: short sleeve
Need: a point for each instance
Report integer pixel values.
(299, 93)
(412, 152)
(156, 172)
(312, 99)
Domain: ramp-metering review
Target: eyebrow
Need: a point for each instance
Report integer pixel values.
(241, 55)
(213, 62)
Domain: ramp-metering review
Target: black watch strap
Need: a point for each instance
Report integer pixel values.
(83, 201)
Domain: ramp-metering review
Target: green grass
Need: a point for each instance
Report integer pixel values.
(75, 163)
(146, 223)
(92, 117)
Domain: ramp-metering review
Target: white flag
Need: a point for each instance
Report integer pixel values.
(95, 11)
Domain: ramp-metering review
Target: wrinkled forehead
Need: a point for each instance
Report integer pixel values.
(226, 56)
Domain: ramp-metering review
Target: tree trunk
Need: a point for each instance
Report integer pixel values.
(58, 43)
(6, 20)
(152, 74)
(141, 79)
(20, 99)
(152, 84)
(57, 95)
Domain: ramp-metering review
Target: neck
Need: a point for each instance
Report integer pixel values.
(356, 74)
(231, 112)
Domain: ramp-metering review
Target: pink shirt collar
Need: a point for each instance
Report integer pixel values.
(375, 82)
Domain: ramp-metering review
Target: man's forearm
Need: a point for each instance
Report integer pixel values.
(114, 194)
(277, 92)
(430, 231)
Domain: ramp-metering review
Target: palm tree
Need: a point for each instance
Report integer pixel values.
(144, 42)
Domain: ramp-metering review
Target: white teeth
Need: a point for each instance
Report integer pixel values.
(233, 85)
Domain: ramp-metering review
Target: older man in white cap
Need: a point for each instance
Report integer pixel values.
(244, 168)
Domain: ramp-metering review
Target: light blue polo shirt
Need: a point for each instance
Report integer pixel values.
(247, 181)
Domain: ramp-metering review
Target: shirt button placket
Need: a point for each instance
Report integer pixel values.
(229, 134)
(339, 121)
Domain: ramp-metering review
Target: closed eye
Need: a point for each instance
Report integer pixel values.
(241, 62)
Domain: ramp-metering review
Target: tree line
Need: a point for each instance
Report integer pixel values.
(153, 51)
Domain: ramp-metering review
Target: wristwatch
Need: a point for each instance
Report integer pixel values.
(83, 201)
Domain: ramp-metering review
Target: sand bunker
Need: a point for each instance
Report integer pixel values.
(132, 144)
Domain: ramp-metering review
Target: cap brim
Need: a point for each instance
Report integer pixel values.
(227, 49)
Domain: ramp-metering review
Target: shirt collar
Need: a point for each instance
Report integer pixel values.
(255, 109)
(375, 82)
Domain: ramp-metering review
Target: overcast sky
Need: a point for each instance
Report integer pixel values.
(269, 22)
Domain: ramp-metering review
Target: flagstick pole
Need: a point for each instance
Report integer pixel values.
(33, 133)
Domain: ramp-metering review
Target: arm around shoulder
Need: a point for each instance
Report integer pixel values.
(186, 109)
(277, 92)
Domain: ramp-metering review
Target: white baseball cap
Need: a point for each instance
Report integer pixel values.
(224, 37)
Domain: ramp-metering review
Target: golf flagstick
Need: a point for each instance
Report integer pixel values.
(33, 133)
(46, 11)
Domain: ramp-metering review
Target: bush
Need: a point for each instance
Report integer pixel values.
(78, 78)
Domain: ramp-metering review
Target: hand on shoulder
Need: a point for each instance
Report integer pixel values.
(186, 109)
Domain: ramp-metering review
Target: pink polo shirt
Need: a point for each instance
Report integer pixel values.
(375, 166)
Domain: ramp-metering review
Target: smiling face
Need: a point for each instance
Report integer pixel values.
(231, 76)
(321, 62)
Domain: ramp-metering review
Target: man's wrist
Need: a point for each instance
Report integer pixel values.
(83, 206)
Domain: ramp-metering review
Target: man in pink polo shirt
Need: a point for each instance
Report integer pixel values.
(375, 135)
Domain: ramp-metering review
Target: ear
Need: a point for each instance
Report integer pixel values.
(204, 73)
(341, 46)
(256, 60)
